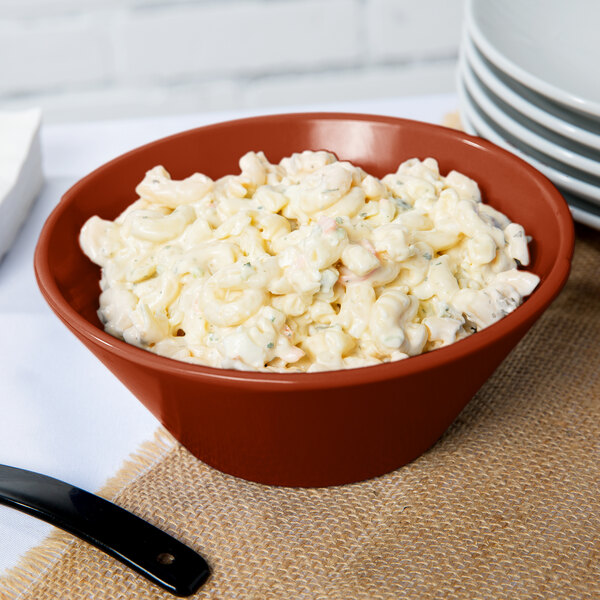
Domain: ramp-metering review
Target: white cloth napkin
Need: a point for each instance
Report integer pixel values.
(21, 175)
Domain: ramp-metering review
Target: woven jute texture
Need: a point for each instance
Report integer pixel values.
(505, 505)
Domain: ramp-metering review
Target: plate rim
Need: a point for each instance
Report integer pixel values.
(566, 181)
(573, 101)
(529, 109)
(579, 214)
(505, 121)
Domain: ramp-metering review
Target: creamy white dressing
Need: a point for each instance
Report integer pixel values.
(306, 265)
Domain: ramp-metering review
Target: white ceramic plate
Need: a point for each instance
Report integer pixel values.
(551, 46)
(563, 180)
(582, 212)
(538, 108)
(551, 144)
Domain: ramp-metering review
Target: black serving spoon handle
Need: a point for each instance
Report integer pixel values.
(151, 552)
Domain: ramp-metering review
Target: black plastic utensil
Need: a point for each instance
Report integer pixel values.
(157, 556)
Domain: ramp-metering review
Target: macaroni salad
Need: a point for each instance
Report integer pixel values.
(307, 265)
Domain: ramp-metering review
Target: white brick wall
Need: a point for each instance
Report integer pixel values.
(95, 59)
(405, 30)
(45, 54)
(352, 84)
(237, 39)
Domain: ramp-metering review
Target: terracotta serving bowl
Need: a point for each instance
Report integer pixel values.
(302, 429)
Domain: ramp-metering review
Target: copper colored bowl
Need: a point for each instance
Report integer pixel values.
(321, 428)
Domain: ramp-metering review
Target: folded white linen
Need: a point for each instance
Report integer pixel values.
(21, 174)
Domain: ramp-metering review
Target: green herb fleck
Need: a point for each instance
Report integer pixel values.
(247, 264)
(427, 256)
(402, 203)
(270, 345)
(339, 220)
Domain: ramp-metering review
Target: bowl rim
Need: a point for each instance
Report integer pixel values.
(528, 311)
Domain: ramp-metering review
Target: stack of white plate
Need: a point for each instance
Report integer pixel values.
(529, 81)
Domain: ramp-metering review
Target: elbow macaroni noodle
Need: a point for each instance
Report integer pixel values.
(306, 265)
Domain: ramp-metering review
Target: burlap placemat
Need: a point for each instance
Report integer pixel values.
(506, 505)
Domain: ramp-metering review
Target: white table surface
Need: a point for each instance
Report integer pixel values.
(63, 413)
